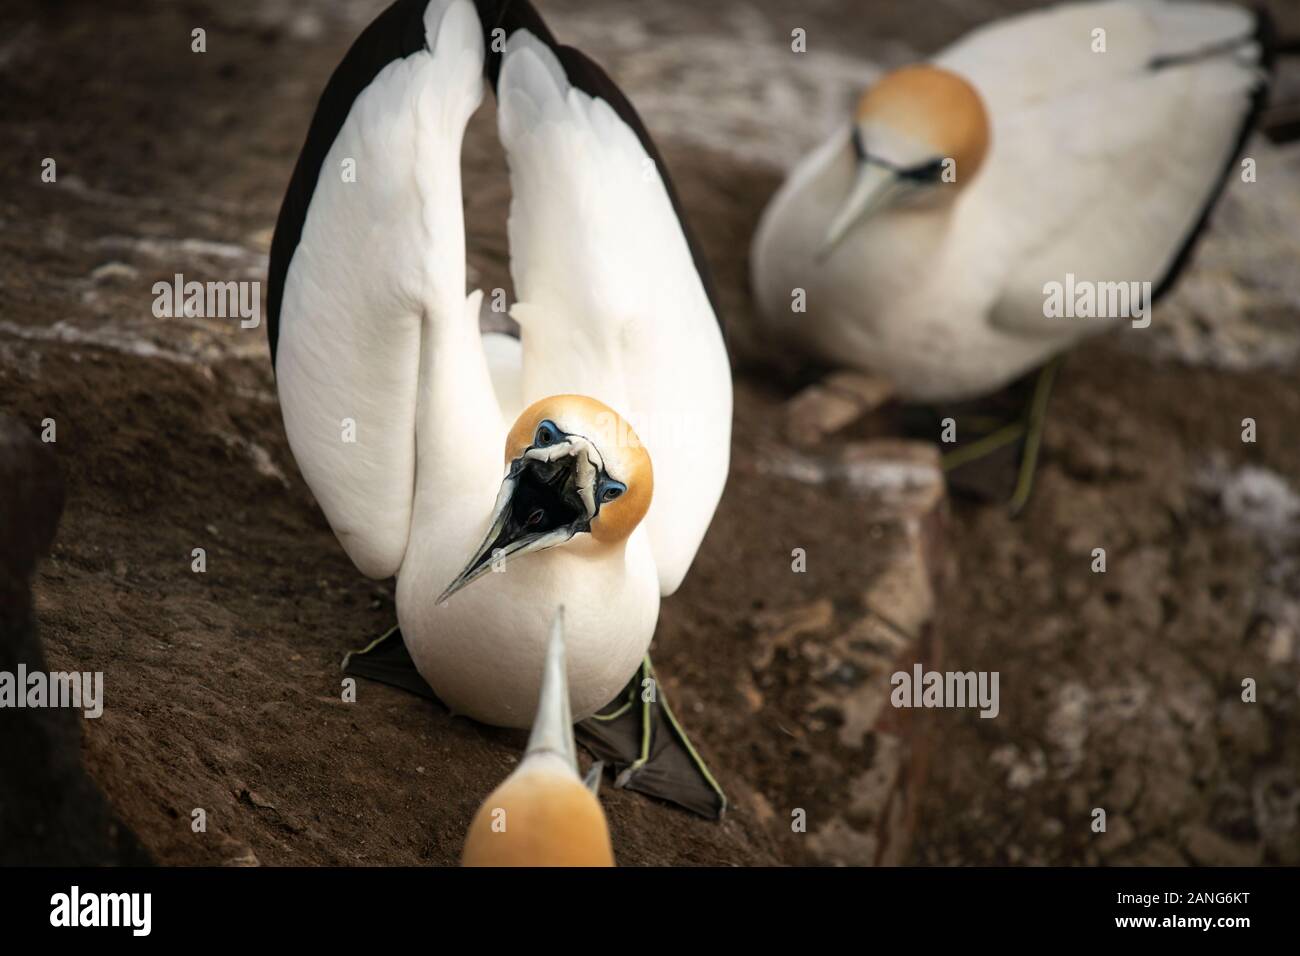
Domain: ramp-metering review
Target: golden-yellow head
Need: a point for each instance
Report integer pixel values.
(919, 135)
(542, 815)
(624, 497)
(931, 107)
(573, 466)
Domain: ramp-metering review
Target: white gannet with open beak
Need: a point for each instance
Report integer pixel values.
(1088, 139)
(403, 418)
(544, 814)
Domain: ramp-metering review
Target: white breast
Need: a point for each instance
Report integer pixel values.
(483, 651)
(903, 296)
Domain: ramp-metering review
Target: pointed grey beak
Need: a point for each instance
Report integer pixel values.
(553, 725)
(506, 538)
(545, 499)
(874, 188)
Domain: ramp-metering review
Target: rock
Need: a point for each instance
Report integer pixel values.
(778, 628)
(256, 799)
(870, 390)
(1244, 727)
(895, 480)
(1022, 772)
(852, 653)
(761, 808)
(901, 478)
(1209, 848)
(903, 595)
(895, 630)
(873, 789)
(1125, 786)
(306, 27)
(1281, 644)
(260, 239)
(1155, 853)
(114, 270)
(839, 844)
(1067, 727)
(835, 402)
(1276, 800)
(1119, 834)
(234, 853)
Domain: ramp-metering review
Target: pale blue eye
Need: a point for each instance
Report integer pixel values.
(612, 489)
(547, 434)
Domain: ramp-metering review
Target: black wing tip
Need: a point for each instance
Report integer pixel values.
(1265, 35)
(508, 16)
(397, 33)
(587, 75)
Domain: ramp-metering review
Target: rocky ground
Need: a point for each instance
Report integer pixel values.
(1119, 691)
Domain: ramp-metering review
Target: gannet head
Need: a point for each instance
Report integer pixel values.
(919, 135)
(573, 466)
(543, 814)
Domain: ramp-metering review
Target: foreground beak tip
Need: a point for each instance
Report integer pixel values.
(460, 581)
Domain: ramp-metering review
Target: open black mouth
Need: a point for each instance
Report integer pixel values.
(540, 505)
(545, 499)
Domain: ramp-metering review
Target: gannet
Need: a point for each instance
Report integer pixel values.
(583, 461)
(1085, 143)
(544, 814)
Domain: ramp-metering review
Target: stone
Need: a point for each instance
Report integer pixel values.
(832, 404)
(839, 844)
(1209, 848)
(1119, 834)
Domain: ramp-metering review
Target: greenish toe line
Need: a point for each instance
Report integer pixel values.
(984, 446)
(699, 761)
(369, 647)
(1034, 440)
(690, 749)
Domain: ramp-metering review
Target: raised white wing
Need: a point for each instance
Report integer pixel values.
(373, 335)
(370, 251)
(611, 300)
(1103, 164)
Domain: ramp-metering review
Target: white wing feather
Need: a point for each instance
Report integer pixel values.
(381, 265)
(1100, 166)
(609, 299)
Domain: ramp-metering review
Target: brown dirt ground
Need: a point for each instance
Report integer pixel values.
(1118, 690)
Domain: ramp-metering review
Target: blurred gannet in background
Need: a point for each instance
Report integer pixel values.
(544, 814)
(399, 412)
(927, 232)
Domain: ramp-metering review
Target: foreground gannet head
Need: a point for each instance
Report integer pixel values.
(543, 814)
(573, 466)
(914, 126)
